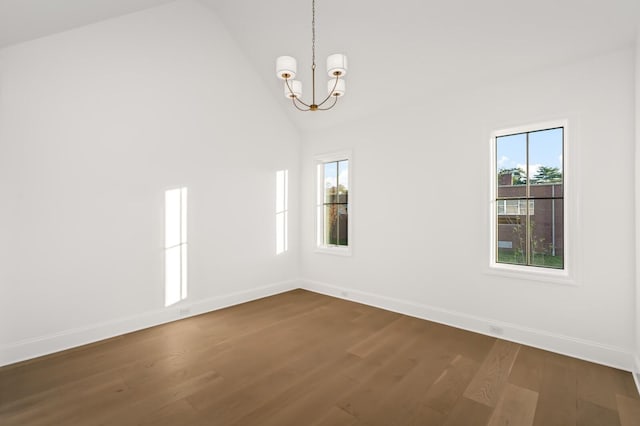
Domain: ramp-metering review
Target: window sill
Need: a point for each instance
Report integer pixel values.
(532, 273)
(336, 251)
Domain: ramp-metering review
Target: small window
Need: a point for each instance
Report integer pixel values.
(529, 198)
(333, 203)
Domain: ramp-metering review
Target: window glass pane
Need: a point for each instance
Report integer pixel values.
(331, 224)
(545, 162)
(343, 181)
(330, 182)
(343, 225)
(511, 161)
(333, 198)
(529, 191)
(515, 207)
(512, 235)
(547, 247)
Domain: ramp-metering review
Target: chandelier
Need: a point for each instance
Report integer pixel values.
(286, 67)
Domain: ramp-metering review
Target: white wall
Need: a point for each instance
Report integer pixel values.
(95, 124)
(420, 210)
(637, 168)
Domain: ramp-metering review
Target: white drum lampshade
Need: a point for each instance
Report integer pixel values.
(286, 67)
(296, 89)
(339, 87)
(337, 65)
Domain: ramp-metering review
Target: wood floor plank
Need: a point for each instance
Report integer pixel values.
(422, 416)
(313, 404)
(624, 384)
(450, 385)
(517, 406)
(374, 388)
(285, 394)
(282, 386)
(301, 358)
(557, 398)
(179, 412)
(397, 329)
(467, 412)
(397, 394)
(628, 410)
(405, 403)
(145, 401)
(242, 393)
(85, 398)
(461, 342)
(595, 383)
(527, 368)
(488, 384)
(590, 414)
(336, 417)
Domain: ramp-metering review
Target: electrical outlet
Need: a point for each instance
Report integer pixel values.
(184, 312)
(493, 329)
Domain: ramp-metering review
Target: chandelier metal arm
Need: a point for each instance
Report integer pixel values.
(335, 84)
(297, 107)
(294, 97)
(335, 101)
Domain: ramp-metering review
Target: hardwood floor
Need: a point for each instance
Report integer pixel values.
(304, 359)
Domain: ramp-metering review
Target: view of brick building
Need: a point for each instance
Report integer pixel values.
(545, 210)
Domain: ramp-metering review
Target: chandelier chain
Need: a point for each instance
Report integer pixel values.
(313, 34)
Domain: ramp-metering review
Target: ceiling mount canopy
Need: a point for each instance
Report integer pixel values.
(286, 68)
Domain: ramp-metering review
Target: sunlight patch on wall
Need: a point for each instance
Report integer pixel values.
(282, 211)
(175, 245)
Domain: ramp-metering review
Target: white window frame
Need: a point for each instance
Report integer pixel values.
(320, 160)
(560, 276)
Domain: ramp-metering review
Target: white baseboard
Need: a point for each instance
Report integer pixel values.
(578, 348)
(44, 345)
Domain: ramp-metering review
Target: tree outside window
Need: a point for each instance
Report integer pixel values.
(333, 204)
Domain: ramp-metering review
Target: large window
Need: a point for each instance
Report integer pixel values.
(529, 198)
(333, 203)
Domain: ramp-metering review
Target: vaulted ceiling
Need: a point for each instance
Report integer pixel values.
(398, 50)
